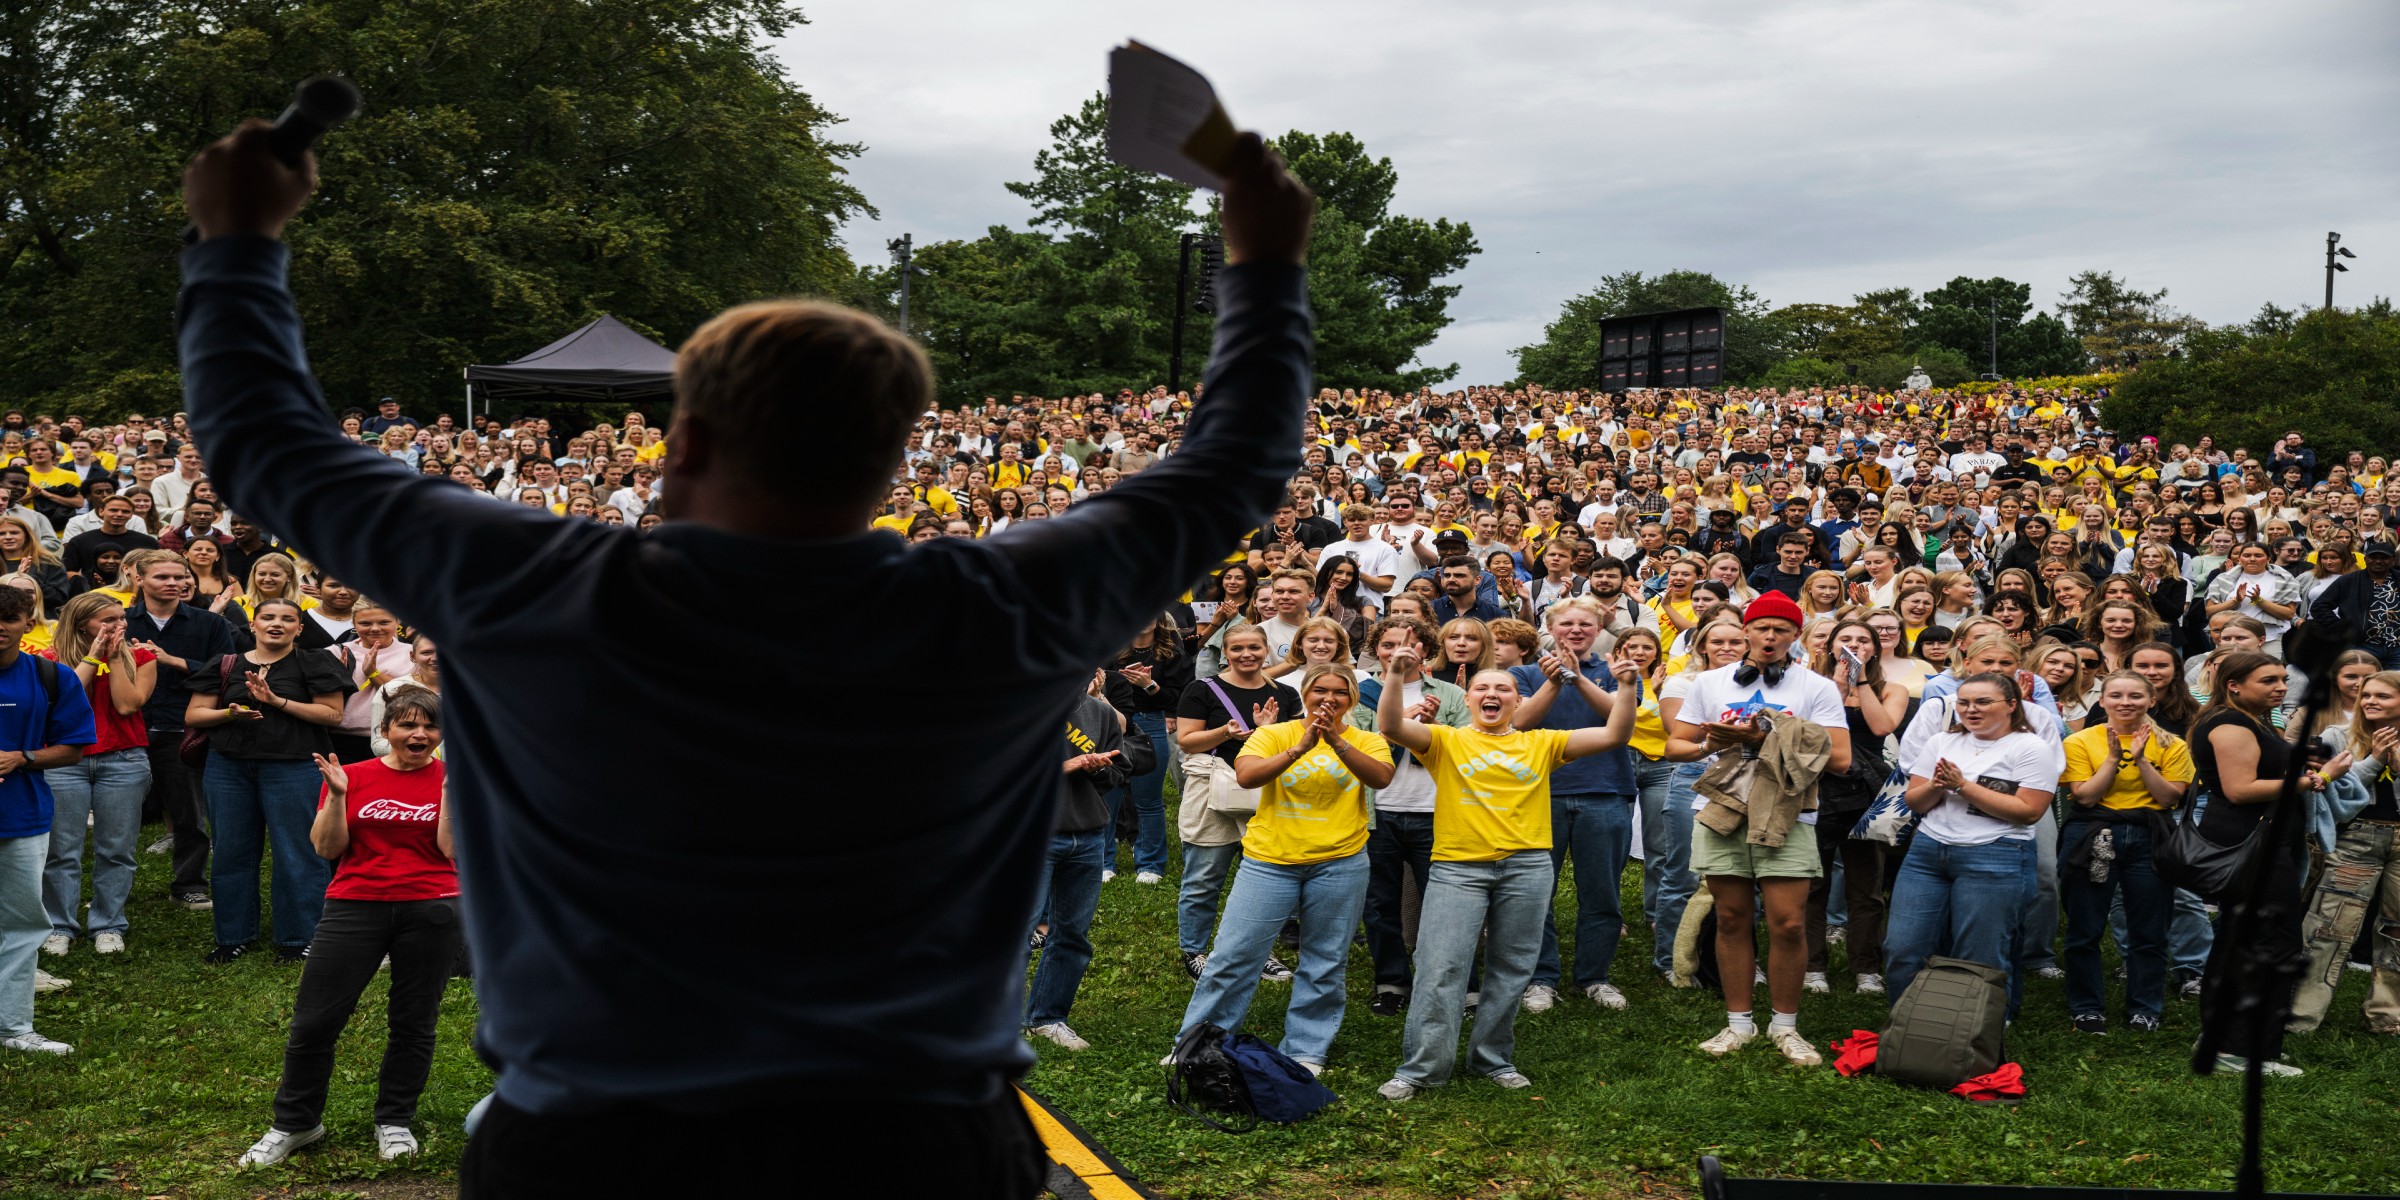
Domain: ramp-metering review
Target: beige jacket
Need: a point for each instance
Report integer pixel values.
(1767, 793)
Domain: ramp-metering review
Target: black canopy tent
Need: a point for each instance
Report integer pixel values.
(604, 362)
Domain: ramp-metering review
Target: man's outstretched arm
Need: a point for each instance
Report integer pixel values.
(272, 448)
(1105, 569)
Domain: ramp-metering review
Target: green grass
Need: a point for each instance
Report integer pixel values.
(176, 1063)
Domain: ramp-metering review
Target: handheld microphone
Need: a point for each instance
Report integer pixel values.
(320, 103)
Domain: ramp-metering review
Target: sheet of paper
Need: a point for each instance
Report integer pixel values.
(1204, 611)
(1163, 116)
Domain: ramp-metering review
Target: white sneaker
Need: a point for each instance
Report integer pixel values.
(1758, 977)
(56, 944)
(161, 846)
(278, 1146)
(1057, 1031)
(1605, 995)
(1512, 1080)
(108, 943)
(1149, 877)
(394, 1141)
(1396, 1089)
(1796, 1048)
(34, 1043)
(1728, 1040)
(1815, 981)
(2234, 1064)
(1107, 873)
(44, 981)
(1870, 985)
(1540, 997)
(2053, 971)
(1314, 1069)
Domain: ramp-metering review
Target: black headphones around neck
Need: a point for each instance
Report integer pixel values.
(1748, 673)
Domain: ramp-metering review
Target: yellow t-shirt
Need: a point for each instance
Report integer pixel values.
(1316, 811)
(2087, 755)
(938, 499)
(55, 479)
(37, 637)
(1649, 738)
(1491, 794)
(896, 523)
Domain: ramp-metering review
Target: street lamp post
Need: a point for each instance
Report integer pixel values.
(2334, 247)
(903, 249)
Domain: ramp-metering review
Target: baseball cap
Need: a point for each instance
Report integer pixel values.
(2374, 548)
(155, 435)
(1448, 536)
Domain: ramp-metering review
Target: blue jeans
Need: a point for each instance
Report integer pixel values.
(1597, 828)
(1070, 891)
(1327, 897)
(23, 925)
(1650, 785)
(1960, 901)
(1510, 896)
(1667, 854)
(2037, 926)
(2189, 933)
(1148, 791)
(271, 801)
(2148, 902)
(1204, 869)
(107, 789)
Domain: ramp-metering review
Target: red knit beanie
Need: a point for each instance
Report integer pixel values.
(1772, 603)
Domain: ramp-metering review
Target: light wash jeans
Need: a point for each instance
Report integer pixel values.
(1204, 869)
(1328, 898)
(1597, 828)
(1667, 850)
(1960, 901)
(107, 790)
(22, 928)
(1650, 801)
(1511, 895)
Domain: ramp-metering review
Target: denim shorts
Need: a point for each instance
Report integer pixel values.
(1714, 853)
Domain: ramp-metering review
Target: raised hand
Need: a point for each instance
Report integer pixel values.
(1628, 673)
(1426, 709)
(259, 690)
(1262, 715)
(337, 779)
(1406, 659)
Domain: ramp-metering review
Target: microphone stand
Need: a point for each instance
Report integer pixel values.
(2259, 986)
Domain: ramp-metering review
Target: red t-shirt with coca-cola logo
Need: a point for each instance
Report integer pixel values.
(393, 853)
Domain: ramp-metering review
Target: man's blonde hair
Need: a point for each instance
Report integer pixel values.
(769, 376)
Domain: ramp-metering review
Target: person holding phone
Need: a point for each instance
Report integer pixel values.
(1969, 873)
(1304, 857)
(1491, 864)
(1104, 747)
(269, 712)
(2120, 769)
(385, 824)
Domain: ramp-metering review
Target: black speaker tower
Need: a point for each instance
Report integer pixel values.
(1682, 348)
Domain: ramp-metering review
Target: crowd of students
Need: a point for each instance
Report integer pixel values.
(2040, 638)
(1491, 636)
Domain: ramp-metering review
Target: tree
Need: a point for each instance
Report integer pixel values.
(1568, 356)
(1959, 316)
(1373, 275)
(2335, 375)
(520, 166)
(2116, 321)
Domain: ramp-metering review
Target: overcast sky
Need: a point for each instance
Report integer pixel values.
(1810, 148)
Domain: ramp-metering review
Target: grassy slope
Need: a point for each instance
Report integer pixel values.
(176, 1065)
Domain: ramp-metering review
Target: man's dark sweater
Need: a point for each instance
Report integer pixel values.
(910, 785)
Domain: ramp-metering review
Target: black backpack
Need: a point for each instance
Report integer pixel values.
(1950, 1026)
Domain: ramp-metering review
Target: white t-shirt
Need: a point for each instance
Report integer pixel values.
(1411, 789)
(1280, 636)
(1373, 557)
(1591, 512)
(1803, 693)
(1405, 535)
(2006, 763)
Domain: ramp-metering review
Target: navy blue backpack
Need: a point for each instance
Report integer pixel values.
(1238, 1076)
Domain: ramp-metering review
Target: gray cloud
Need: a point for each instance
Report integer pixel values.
(1811, 149)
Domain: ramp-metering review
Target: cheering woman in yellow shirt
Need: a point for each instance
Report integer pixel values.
(1305, 855)
(1491, 861)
